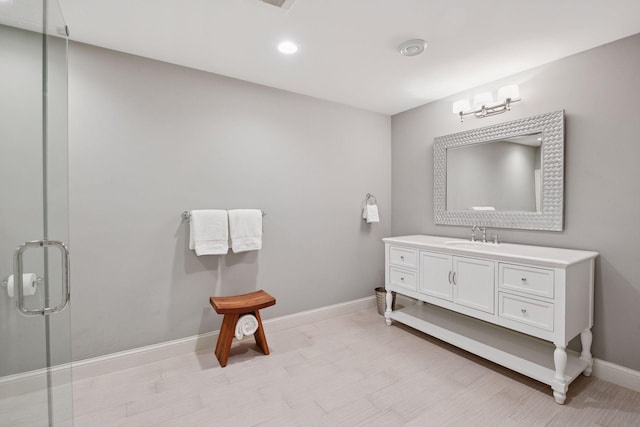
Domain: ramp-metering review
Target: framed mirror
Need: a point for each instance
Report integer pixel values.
(509, 175)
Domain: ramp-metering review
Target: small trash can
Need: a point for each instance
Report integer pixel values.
(381, 300)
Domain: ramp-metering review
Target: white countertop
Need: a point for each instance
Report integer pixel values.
(536, 255)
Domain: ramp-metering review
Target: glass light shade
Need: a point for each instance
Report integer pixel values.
(481, 99)
(511, 91)
(462, 105)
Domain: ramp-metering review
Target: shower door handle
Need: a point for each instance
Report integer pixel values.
(18, 282)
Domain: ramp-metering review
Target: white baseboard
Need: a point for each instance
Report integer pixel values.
(607, 371)
(35, 380)
(616, 374)
(152, 353)
(27, 382)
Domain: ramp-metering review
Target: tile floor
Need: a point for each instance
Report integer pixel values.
(351, 370)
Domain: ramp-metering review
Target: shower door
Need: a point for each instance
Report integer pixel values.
(35, 356)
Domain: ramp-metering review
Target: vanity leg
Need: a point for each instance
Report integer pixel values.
(560, 361)
(387, 313)
(586, 338)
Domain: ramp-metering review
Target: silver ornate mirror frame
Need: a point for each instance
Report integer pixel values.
(550, 218)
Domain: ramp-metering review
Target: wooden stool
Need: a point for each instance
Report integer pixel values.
(233, 307)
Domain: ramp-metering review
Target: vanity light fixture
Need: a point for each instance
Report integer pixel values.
(484, 105)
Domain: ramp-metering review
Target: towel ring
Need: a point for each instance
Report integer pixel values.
(370, 196)
(186, 215)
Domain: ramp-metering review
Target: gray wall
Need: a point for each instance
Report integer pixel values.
(21, 338)
(22, 213)
(598, 89)
(149, 140)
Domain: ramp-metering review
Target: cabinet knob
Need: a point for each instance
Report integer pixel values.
(402, 279)
(402, 257)
(524, 280)
(523, 310)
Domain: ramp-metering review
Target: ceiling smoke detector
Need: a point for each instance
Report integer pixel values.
(282, 4)
(412, 47)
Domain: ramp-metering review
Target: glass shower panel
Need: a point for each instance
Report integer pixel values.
(35, 356)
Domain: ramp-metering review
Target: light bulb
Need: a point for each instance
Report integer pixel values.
(462, 105)
(481, 99)
(510, 91)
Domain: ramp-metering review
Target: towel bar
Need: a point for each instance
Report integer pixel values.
(186, 215)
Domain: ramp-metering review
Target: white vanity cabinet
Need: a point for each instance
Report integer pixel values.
(515, 305)
(462, 280)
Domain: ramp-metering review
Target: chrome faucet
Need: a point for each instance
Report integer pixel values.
(473, 232)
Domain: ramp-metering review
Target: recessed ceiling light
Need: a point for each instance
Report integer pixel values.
(412, 47)
(288, 47)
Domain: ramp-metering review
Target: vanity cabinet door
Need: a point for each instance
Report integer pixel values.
(473, 283)
(435, 275)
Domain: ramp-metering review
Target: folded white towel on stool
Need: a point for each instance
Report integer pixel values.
(209, 232)
(370, 213)
(245, 226)
(246, 325)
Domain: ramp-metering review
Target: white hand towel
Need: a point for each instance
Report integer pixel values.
(245, 226)
(483, 208)
(370, 213)
(209, 232)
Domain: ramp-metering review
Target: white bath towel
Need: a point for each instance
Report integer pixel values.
(370, 213)
(245, 226)
(209, 232)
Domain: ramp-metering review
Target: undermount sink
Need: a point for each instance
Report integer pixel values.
(471, 245)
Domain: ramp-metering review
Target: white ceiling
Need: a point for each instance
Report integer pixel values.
(348, 47)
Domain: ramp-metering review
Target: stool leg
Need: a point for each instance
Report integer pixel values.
(227, 332)
(261, 339)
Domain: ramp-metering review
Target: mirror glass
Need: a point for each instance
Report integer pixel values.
(507, 175)
(501, 175)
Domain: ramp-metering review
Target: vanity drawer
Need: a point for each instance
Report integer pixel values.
(529, 280)
(403, 257)
(402, 278)
(524, 310)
